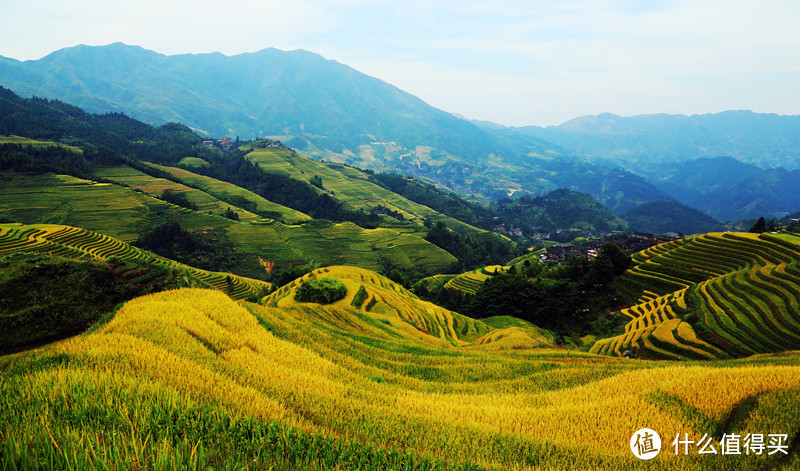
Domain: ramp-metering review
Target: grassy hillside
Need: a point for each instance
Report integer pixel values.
(189, 379)
(715, 295)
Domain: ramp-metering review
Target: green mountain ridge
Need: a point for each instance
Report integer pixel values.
(730, 190)
(561, 209)
(659, 217)
(324, 108)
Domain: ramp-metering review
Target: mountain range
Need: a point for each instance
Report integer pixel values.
(645, 142)
(267, 93)
(327, 110)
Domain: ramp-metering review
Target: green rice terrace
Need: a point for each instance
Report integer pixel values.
(471, 281)
(124, 213)
(230, 192)
(715, 295)
(349, 184)
(134, 264)
(153, 186)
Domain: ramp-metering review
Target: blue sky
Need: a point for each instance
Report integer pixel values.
(512, 62)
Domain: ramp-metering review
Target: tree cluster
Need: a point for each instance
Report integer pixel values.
(56, 159)
(471, 251)
(47, 298)
(206, 252)
(762, 225)
(231, 214)
(381, 209)
(321, 290)
(178, 198)
(284, 190)
(571, 299)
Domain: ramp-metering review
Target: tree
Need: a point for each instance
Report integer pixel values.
(620, 260)
(178, 198)
(760, 226)
(505, 295)
(772, 225)
(600, 273)
(231, 214)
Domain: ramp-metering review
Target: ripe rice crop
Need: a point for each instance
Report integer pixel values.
(190, 379)
(718, 295)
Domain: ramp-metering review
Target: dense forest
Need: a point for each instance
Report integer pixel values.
(559, 209)
(446, 203)
(472, 251)
(572, 299)
(204, 251)
(47, 298)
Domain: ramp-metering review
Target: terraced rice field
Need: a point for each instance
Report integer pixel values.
(349, 185)
(153, 186)
(713, 296)
(35, 143)
(189, 379)
(383, 298)
(125, 214)
(222, 189)
(61, 199)
(471, 281)
(339, 244)
(67, 241)
(193, 162)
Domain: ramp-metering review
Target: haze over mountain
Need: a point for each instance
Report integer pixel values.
(644, 142)
(320, 107)
(267, 93)
(328, 110)
(729, 190)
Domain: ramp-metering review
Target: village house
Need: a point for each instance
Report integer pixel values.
(669, 237)
(635, 243)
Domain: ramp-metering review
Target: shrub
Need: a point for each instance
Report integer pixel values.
(322, 290)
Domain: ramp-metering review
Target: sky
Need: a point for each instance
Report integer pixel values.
(516, 63)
